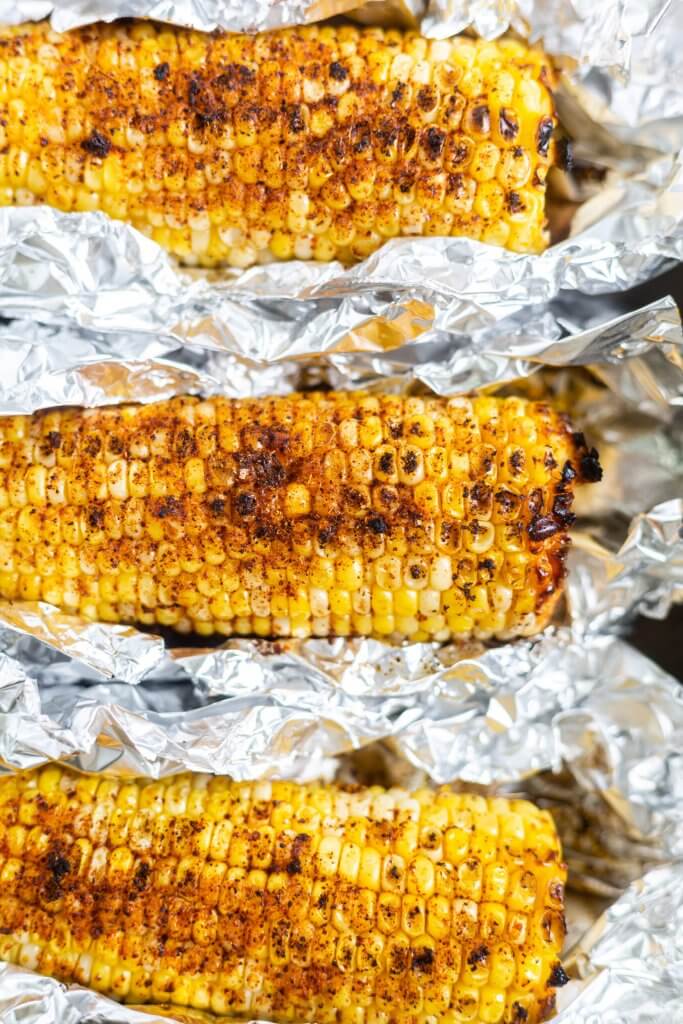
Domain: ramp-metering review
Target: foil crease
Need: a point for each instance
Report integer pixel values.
(633, 415)
(600, 35)
(591, 707)
(621, 100)
(209, 15)
(88, 270)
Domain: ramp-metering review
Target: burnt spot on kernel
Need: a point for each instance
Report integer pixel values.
(591, 470)
(423, 959)
(433, 141)
(398, 93)
(542, 527)
(95, 518)
(54, 440)
(562, 504)
(514, 202)
(58, 865)
(58, 868)
(507, 501)
(338, 71)
(97, 144)
(386, 462)
(558, 977)
(517, 460)
(481, 118)
(161, 71)
(378, 525)
(557, 891)
(568, 473)
(245, 504)
(543, 136)
(508, 124)
(296, 120)
(478, 956)
(167, 507)
(235, 76)
(141, 876)
(409, 462)
(519, 1014)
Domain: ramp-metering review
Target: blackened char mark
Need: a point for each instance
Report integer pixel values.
(245, 504)
(558, 977)
(565, 154)
(507, 124)
(423, 959)
(591, 470)
(542, 527)
(562, 505)
(167, 507)
(97, 144)
(543, 136)
(481, 118)
(378, 525)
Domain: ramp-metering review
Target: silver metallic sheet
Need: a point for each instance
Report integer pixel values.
(88, 270)
(208, 15)
(601, 34)
(634, 416)
(591, 706)
(639, 355)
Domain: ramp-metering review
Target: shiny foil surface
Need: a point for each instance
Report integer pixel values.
(622, 382)
(620, 98)
(586, 726)
(576, 719)
(208, 15)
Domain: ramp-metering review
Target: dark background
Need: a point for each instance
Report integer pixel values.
(662, 641)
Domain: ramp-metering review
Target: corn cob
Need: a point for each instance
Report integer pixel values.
(284, 902)
(312, 143)
(317, 514)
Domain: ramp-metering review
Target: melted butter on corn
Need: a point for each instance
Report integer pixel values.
(318, 514)
(319, 142)
(284, 902)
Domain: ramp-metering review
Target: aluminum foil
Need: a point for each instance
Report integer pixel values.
(630, 404)
(586, 723)
(208, 15)
(88, 270)
(598, 35)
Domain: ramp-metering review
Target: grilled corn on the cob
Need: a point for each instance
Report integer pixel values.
(284, 902)
(318, 142)
(323, 514)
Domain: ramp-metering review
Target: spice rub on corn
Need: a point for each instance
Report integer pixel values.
(284, 902)
(319, 142)
(325, 514)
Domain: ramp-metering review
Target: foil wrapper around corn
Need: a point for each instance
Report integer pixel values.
(574, 719)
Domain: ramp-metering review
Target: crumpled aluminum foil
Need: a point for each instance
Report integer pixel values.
(88, 270)
(599, 35)
(592, 707)
(208, 15)
(633, 415)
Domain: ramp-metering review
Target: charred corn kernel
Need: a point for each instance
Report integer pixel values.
(251, 878)
(449, 129)
(206, 515)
